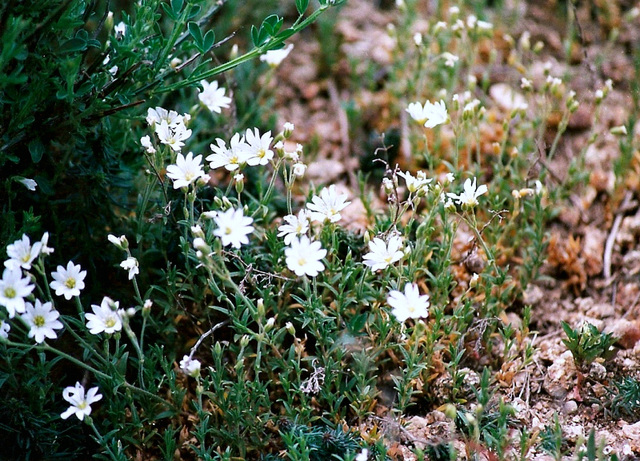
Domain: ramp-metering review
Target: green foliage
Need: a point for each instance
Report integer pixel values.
(625, 396)
(587, 343)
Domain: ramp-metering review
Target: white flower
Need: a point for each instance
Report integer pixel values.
(382, 253)
(44, 249)
(157, 115)
(4, 329)
(120, 242)
(409, 304)
(259, 152)
(172, 136)
(231, 158)
(449, 59)
(430, 115)
(13, 290)
(186, 171)
(418, 183)
(328, 206)
(299, 169)
(120, 29)
(131, 264)
(22, 253)
(275, 57)
(28, 183)
(190, 366)
(68, 282)
(145, 142)
(105, 317)
(42, 320)
(213, 97)
(233, 227)
(363, 455)
(303, 256)
(80, 404)
(469, 197)
(296, 226)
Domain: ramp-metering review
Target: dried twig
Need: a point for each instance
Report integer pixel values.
(608, 248)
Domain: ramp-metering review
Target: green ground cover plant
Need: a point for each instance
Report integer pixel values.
(175, 287)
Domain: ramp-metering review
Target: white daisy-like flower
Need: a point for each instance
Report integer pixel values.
(131, 264)
(410, 304)
(304, 257)
(429, 115)
(295, 226)
(105, 317)
(328, 205)
(275, 57)
(418, 183)
(382, 253)
(21, 253)
(213, 96)
(4, 329)
(68, 282)
(469, 197)
(186, 171)
(172, 136)
(80, 404)
(42, 320)
(233, 227)
(259, 152)
(232, 157)
(13, 290)
(190, 367)
(363, 455)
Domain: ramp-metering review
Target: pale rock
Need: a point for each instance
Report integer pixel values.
(560, 377)
(570, 407)
(573, 431)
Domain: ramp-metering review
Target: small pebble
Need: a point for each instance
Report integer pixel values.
(570, 407)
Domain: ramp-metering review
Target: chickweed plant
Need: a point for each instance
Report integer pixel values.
(214, 305)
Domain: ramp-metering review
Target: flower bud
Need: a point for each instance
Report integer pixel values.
(269, 325)
(244, 341)
(239, 182)
(290, 328)
(288, 130)
(260, 306)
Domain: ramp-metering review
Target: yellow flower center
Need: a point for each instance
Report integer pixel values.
(302, 261)
(228, 230)
(25, 258)
(82, 405)
(70, 283)
(110, 322)
(9, 292)
(39, 321)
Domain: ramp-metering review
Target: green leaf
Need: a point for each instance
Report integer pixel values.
(176, 6)
(169, 11)
(36, 149)
(195, 10)
(209, 40)
(301, 6)
(196, 33)
(73, 46)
